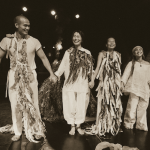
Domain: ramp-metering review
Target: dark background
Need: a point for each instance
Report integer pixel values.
(128, 21)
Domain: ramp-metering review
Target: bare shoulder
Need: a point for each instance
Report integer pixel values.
(118, 53)
(101, 54)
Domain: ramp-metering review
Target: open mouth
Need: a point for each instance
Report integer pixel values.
(111, 45)
(76, 41)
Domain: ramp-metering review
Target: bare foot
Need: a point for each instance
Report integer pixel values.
(12, 132)
(38, 136)
(128, 128)
(15, 138)
(80, 130)
(46, 146)
(72, 131)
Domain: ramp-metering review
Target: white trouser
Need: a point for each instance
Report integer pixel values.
(16, 115)
(75, 106)
(136, 112)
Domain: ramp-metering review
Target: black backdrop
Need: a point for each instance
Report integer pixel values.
(128, 21)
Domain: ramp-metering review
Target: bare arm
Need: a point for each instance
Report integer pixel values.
(99, 61)
(46, 63)
(2, 53)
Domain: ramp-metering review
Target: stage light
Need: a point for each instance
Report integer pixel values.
(43, 46)
(53, 46)
(24, 8)
(53, 12)
(59, 47)
(77, 16)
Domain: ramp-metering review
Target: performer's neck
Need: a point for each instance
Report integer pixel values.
(19, 36)
(139, 59)
(78, 47)
(110, 49)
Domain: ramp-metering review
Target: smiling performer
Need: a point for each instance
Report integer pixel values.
(136, 82)
(109, 107)
(77, 65)
(22, 79)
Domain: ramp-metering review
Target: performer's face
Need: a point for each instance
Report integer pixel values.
(138, 52)
(111, 44)
(23, 26)
(77, 39)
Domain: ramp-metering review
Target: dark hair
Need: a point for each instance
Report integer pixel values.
(80, 32)
(110, 38)
(18, 17)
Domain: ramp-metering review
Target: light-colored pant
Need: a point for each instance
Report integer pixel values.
(136, 112)
(75, 106)
(16, 115)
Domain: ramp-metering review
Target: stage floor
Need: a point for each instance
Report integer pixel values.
(59, 139)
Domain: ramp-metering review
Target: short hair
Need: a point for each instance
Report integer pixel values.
(80, 32)
(110, 38)
(18, 17)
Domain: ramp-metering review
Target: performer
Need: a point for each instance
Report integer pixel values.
(50, 99)
(77, 65)
(22, 79)
(135, 82)
(109, 107)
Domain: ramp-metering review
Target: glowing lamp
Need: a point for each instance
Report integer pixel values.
(53, 12)
(77, 16)
(24, 8)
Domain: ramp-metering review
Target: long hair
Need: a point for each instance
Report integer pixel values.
(133, 61)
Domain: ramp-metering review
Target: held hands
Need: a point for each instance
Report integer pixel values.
(53, 78)
(91, 84)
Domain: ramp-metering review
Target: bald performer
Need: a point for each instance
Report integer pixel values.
(22, 79)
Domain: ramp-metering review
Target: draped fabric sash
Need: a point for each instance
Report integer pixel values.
(32, 123)
(80, 60)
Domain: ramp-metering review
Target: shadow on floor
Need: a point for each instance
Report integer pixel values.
(59, 139)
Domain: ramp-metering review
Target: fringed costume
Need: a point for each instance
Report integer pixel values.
(109, 107)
